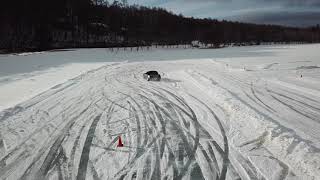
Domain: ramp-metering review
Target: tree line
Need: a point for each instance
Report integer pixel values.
(40, 25)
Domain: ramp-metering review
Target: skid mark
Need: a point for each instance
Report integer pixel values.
(292, 99)
(315, 119)
(83, 165)
(256, 96)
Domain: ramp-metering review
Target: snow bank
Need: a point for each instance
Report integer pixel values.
(23, 87)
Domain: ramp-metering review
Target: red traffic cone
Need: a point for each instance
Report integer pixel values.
(119, 142)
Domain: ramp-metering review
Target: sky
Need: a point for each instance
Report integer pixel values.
(280, 12)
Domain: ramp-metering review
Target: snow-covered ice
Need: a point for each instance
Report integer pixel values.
(18, 88)
(251, 116)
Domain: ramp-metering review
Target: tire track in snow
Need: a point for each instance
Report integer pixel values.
(140, 152)
(138, 124)
(226, 161)
(184, 104)
(246, 163)
(290, 98)
(168, 110)
(74, 148)
(255, 95)
(43, 171)
(144, 120)
(201, 129)
(302, 96)
(84, 159)
(24, 149)
(277, 131)
(156, 149)
(159, 109)
(315, 119)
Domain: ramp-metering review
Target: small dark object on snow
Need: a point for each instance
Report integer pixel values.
(301, 75)
(152, 76)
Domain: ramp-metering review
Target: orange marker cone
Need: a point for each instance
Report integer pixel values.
(119, 142)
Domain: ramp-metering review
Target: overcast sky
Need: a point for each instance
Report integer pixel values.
(283, 12)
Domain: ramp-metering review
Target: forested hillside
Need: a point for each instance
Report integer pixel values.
(39, 24)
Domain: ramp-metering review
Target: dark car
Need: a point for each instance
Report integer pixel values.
(152, 76)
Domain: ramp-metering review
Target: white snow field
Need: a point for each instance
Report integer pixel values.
(246, 117)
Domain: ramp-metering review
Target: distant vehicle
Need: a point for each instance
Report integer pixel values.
(152, 76)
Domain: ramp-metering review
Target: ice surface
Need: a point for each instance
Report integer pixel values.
(251, 116)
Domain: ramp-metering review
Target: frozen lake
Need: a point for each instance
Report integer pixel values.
(29, 62)
(233, 113)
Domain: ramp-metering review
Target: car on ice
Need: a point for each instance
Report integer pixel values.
(152, 76)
